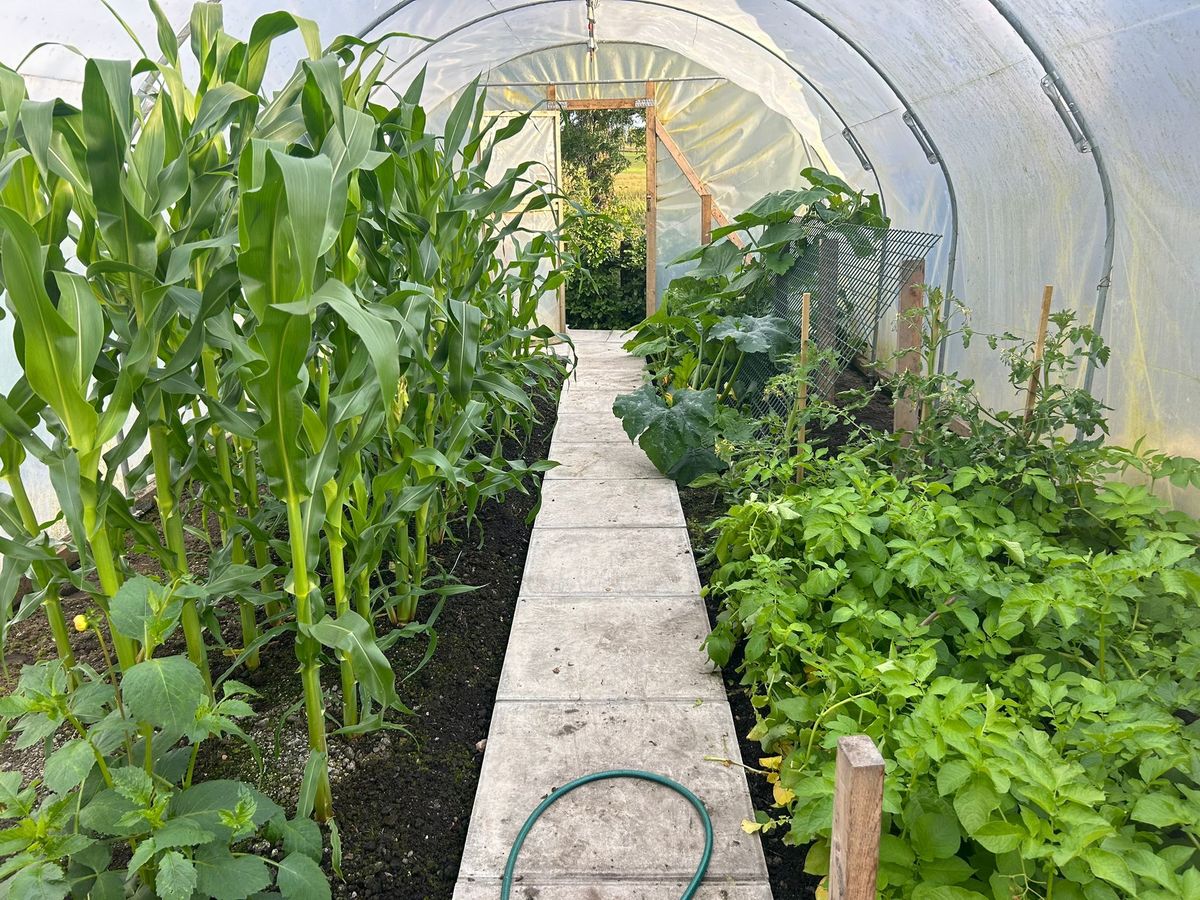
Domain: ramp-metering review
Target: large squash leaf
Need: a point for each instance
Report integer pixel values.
(678, 436)
(753, 334)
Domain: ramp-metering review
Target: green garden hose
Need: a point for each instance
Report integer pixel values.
(678, 788)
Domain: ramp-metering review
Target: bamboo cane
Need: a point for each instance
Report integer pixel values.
(1039, 351)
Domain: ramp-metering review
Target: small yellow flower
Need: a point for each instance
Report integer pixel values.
(81, 623)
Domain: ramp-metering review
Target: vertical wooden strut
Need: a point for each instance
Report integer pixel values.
(857, 813)
(706, 215)
(1039, 351)
(908, 343)
(651, 199)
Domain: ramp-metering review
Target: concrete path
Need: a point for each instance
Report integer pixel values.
(604, 671)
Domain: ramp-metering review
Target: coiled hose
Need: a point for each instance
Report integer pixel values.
(678, 788)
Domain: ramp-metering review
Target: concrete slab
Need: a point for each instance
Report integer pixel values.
(642, 561)
(598, 354)
(612, 829)
(590, 460)
(597, 426)
(604, 670)
(594, 889)
(605, 351)
(602, 354)
(617, 373)
(589, 334)
(588, 398)
(617, 502)
(615, 382)
(609, 648)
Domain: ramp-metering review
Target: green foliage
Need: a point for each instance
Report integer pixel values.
(676, 430)
(607, 286)
(704, 333)
(605, 236)
(299, 303)
(124, 777)
(1014, 626)
(593, 144)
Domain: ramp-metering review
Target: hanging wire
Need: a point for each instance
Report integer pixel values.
(591, 28)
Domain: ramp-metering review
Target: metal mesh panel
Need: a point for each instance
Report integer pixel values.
(853, 275)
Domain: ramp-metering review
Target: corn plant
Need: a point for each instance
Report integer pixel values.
(308, 318)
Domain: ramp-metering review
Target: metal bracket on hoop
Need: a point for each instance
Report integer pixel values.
(1066, 111)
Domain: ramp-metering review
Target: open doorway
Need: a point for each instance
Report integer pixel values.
(604, 176)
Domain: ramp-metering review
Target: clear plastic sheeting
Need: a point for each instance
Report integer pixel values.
(945, 98)
(744, 148)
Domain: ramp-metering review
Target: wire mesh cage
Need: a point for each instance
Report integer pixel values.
(852, 275)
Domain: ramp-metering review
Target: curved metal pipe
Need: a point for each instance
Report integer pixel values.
(820, 158)
(654, 3)
(1110, 205)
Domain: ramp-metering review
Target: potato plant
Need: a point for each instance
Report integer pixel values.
(286, 318)
(1008, 610)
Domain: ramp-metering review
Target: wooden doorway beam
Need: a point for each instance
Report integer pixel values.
(607, 103)
(698, 186)
(594, 103)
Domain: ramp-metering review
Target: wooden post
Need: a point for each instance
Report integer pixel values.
(1039, 351)
(802, 390)
(552, 96)
(908, 342)
(651, 200)
(857, 813)
(706, 218)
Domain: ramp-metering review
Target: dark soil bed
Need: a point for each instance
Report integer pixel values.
(402, 796)
(703, 506)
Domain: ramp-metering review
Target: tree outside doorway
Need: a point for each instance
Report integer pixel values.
(604, 176)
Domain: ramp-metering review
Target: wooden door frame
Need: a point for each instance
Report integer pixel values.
(656, 133)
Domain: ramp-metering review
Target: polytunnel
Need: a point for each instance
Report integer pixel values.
(844, 543)
(1043, 141)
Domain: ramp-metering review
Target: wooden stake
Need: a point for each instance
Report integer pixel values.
(651, 201)
(908, 342)
(802, 390)
(857, 813)
(706, 210)
(1039, 351)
